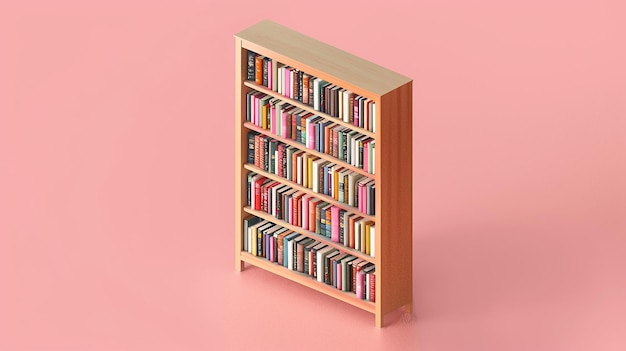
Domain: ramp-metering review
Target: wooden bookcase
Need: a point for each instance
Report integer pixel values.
(392, 94)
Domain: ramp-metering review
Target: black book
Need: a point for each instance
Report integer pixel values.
(310, 92)
(251, 135)
(266, 151)
(300, 85)
(298, 117)
(296, 84)
(273, 148)
(248, 105)
(266, 61)
(251, 72)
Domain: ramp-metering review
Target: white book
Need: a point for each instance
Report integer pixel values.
(340, 103)
(305, 170)
(357, 235)
(316, 93)
(321, 254)
(373, 240)
(346, 105)
(290, 251)
(374, 117)
(281, 78)
(299, 169)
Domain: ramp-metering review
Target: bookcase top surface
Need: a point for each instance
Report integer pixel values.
(323, 57)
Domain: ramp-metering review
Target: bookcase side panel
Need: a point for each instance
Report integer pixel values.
(240, 152)
(394, 183)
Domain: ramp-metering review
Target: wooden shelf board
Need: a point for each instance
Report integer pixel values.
(310, 234)
(308, 108)
(299, 187)
(308, 281)
(307, 150)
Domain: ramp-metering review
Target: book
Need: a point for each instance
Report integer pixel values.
(247, 223)
(320, 259)
(328, 265)
(259, 69)
(250, 68)
(335, 224)
(346, 270)
(313, 259)
(300, 253)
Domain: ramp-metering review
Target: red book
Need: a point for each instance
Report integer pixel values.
(281, 150)
(335, 143)
(296, 206)
(257, 192)
(373, 286)
(257, 152)
(312, 215)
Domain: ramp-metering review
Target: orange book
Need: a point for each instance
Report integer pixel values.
(312, 213)
(353, 219)
(258, 70)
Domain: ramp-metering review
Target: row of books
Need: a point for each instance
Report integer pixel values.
(323, 96)
(314, 132)
(318, 174)
(311, 213)
(308, 256)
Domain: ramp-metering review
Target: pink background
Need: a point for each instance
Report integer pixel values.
(116, 177)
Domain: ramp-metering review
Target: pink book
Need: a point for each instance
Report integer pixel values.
(334, 220)
(287, 82)
(255, 109)
(283, 123)
(356, 110)
(310, 138)
(305, 211)
(359, 282)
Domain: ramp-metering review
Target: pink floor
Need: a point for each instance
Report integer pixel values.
(116, 177)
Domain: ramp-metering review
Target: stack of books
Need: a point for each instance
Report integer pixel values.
(320, 175)
(310, 213)
(310, 257)
(323, 96)
(312, 131)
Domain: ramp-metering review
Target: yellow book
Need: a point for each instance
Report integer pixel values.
(335, 184)
(264, 117)
(310, 172)
(367, 237)
(305, 170)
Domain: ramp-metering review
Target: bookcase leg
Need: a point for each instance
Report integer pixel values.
(408, 308)
(379, 320)
(239, 265)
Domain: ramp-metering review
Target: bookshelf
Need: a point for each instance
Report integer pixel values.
(391, 93)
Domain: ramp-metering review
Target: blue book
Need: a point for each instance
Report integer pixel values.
(327, 178)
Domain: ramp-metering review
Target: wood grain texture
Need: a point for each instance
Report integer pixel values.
(323, 58)
(392, 94)
(307, 281)
(394, 211)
